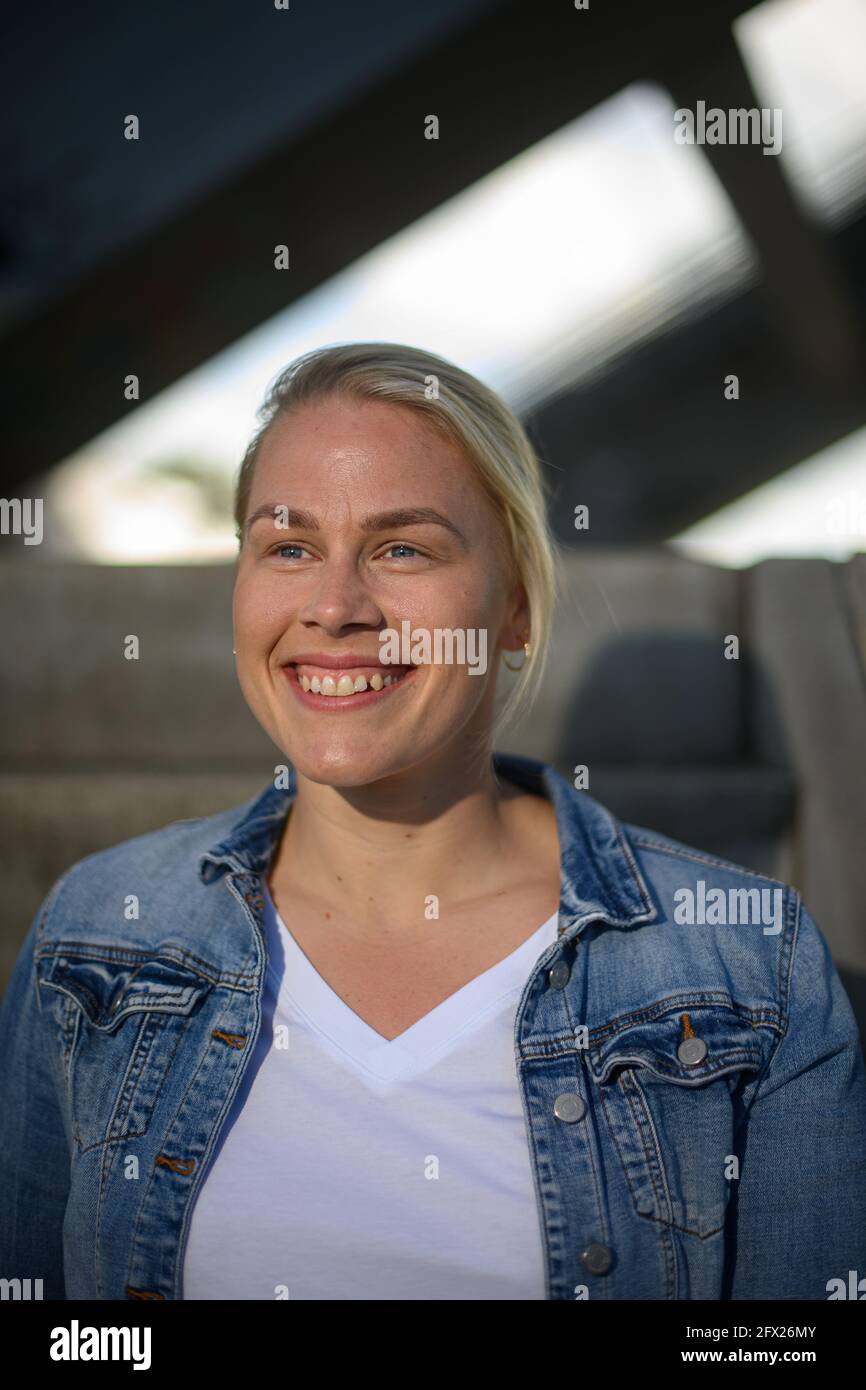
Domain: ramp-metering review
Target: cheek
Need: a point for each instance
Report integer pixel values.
(470, 598)
(259, 610)
(468, 602)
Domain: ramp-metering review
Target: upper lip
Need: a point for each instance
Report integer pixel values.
(336, 662)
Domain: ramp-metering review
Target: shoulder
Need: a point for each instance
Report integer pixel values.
(157, 871)
(661, 856)
(692, 886)
(751, 925)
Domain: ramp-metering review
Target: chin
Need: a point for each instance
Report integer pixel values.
(336, 766)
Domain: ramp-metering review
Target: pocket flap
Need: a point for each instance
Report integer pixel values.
(688, 1044)
(107, 989)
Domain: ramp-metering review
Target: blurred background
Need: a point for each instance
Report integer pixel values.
(682, 328)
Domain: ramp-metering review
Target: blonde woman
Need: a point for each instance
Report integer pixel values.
(420, 1021)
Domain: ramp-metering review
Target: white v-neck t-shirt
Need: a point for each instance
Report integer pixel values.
(354, 1167)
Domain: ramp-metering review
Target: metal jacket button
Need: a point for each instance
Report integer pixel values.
(596, 1259)
(569, 1107)
(691, 1051)
(558, 975)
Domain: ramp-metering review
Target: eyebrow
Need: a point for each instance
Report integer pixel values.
(377, 521)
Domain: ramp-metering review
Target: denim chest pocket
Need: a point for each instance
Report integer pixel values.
(121, 1017)
(669, 1082)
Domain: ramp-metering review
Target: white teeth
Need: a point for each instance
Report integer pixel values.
(345, 685)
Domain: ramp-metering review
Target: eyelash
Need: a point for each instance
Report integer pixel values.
(404, 545)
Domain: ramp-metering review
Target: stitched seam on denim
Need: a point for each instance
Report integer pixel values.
(260, 946)
(784, 985)
(70, 1074)
(705, 859)
(669, 1004)
(672, 1261)
(669, 1255)
(241, 888)
(129, 1067)
(137, 1133)
(115, 1139)
(148, 1037)
(632, 862)
(592, 1138)
(563, 1043)
(52, 900)
(128, 1075)
(153, 1168)
(661, 1172)
(732, 1059)
(541, 1201)
(672, 1002)
(130, 1134)
(637, 1105)
(97, 1234)
(583, 1080)
(665, 1236)
(103, 1167)
(687, 1230)
(664, 1220)
(608, 1098)
(563, 1047)
(142, 1003)
(70, 994)
(69, 1032)
(122, 955)
(540, 1208)
(786, 966)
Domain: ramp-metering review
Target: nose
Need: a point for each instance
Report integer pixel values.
(339, 598)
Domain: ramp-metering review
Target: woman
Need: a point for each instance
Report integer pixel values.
(421, 1021)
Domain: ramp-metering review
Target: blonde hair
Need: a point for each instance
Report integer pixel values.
(467, 413)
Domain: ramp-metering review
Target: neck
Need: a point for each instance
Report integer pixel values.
(390, 845)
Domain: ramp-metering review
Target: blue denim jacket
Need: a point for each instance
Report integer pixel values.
(694, 1092)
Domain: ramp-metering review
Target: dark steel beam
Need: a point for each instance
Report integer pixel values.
(800, 274)
(205, 279)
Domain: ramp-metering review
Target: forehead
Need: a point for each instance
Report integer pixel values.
(361, 446)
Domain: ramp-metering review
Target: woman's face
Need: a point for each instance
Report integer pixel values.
(312, 596)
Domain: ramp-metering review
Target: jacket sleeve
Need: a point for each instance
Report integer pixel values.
(34, 1152)
(798, 1218)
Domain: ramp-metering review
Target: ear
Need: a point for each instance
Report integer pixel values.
(516, 627)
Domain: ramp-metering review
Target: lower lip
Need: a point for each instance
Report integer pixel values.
(335, 703)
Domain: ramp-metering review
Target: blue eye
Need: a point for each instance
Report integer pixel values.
(400, 545)
(289, 545)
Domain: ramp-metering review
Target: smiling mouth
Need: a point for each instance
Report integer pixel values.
(319, 687)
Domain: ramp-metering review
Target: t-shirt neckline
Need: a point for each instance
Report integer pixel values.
(302, 987)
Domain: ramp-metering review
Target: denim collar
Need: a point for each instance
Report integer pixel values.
(598, 874)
